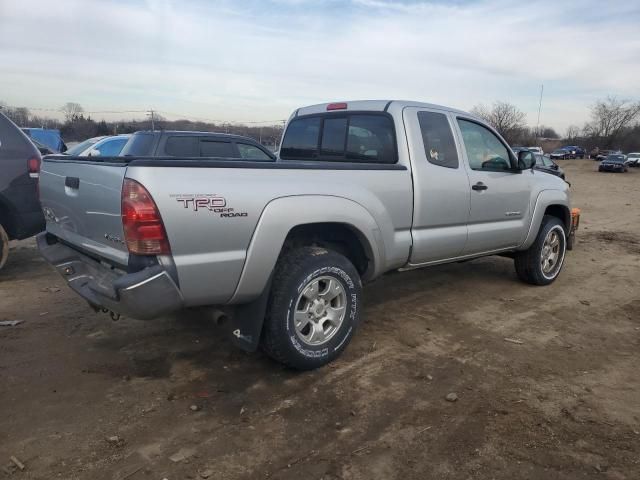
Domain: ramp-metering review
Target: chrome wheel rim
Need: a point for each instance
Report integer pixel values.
(552, 253)
(320, 310)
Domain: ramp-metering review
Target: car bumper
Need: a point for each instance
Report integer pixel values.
(612, 168)
(146, 294)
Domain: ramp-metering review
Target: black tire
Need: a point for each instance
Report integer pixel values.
(295, 271)
(529, 262)
(600, 169)
(4, 246)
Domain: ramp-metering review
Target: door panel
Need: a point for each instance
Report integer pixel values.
(441, 186)
(500, 196)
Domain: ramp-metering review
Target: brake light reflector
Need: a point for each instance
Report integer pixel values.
(337, 106)
(33, 167)
(144, 231)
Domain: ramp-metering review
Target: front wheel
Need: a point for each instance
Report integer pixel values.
(4, 246)
(314, 308)
(542, 262)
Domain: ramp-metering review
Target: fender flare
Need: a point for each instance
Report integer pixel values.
(545, 199)
(283, 214)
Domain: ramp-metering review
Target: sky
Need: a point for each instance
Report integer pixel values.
(258, 60)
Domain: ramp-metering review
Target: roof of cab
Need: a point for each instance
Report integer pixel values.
(374, 106)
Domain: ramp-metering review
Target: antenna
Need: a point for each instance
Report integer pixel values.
(539, 110)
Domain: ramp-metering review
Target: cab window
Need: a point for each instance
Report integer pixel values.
(484, 150)
(437, 138)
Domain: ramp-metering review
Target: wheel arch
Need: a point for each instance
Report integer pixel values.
(549, 202)
(330, 221)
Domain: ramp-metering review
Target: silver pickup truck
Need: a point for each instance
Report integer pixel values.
(283, 246)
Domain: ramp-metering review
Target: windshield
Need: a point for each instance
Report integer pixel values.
(81, 147)
(615, 158)
(634, 155)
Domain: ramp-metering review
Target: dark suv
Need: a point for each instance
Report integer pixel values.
(20, 212)
(170, 143)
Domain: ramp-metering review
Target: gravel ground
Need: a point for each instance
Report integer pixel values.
(83, 397)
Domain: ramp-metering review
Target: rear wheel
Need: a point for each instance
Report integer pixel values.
(4, 246)
(314, 308)
(542, 262)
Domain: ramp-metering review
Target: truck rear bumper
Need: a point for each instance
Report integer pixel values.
(146, 294)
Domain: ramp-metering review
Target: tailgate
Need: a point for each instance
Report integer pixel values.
(81, 203)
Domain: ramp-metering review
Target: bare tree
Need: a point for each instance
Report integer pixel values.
(609, 118)
(573, 132)
(71, 111)
(504, 117)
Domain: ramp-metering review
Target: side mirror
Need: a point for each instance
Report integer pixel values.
(526, 160)
(94, 152)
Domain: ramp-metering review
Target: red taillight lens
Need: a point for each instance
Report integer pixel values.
(33, 166)
(143, 228)
(337, 106)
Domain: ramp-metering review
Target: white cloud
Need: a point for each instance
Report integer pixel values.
(260, 60)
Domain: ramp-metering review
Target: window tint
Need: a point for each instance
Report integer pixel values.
(334, 132)
(111, 148)
(439, 146)
(182, 147)
(140, 144)
(301, 140)
(484, 150)
(211, 148)
(251, 152)
(370, 139)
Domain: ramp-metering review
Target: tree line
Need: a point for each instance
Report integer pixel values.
(78, 125)
(612, 124)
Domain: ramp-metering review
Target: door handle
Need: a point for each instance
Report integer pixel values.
(479, 186)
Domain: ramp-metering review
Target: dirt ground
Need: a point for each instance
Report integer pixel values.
(83, 397)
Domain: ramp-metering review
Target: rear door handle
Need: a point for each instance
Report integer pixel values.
(479, 186)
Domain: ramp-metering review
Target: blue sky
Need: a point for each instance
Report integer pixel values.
(257, 60)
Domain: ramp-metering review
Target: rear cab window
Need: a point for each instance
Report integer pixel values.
(439, 145)
(360, 137)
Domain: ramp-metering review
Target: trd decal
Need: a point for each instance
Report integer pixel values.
(210, 202)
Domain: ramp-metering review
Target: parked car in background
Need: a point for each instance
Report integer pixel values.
(83, 146)
(167, 143)
(49, 137)
(575, 151)
(613, 163)
(20, 213)
(545, 164)
(536, 150)
(284, 244)
(633, 159)
(560, 154)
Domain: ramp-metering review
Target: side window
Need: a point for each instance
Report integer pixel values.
(484, 150)
(439, 146)
(251, 152)
(371, 139)
(301, 139)
(212, 148)
(112, 148)
(182, 147)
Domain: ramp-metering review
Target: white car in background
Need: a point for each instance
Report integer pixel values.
(110, 146)
(633, 159)
(536, 150)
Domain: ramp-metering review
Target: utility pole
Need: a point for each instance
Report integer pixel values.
(153, 124)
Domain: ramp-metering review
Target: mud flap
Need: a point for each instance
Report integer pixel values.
(245, 326)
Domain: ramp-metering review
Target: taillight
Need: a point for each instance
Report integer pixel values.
(143, 228)
(33, 167)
